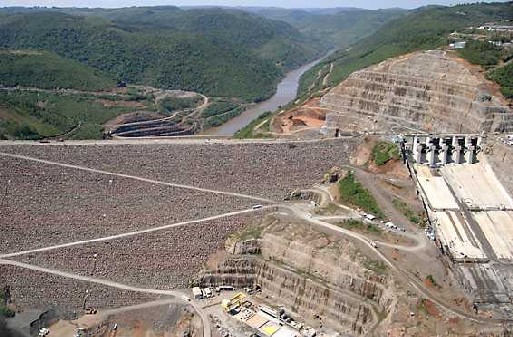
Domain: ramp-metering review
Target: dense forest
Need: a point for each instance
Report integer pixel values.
(333, 28)
(234, 56)
(215, 52)
(41, 69)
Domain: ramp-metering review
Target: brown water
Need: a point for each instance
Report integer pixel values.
(285, 93)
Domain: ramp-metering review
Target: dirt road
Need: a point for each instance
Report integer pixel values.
(152, 181)
(407, 277)
(127, 234)
(178, 296)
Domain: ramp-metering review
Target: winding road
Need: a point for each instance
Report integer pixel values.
(177, 294)
(410, 279)
(299, 210)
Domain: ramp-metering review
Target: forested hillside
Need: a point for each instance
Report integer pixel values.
(333, 28)
(41, 69)
(216, 52)
(424, 28)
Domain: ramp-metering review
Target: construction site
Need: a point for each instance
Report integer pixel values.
(372, 212)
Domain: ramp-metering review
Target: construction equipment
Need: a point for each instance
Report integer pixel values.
(43, 332)
(91, 311)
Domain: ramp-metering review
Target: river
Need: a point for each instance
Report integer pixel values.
(285, 93)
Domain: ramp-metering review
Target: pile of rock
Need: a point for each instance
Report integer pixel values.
(46, 205)
(164, 259)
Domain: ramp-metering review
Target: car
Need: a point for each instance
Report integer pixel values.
(257, 206)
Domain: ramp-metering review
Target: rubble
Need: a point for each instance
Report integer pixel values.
(33, 289)
(46, 205)
(166, 259)
(265, 170)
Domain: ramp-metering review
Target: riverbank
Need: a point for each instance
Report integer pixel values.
(285, 93)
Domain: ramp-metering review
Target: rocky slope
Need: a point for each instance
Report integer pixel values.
(430, 91)
(312, 274)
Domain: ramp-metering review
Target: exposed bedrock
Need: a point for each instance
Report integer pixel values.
(429, 90)
(323, 277)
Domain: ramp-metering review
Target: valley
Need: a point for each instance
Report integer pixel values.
(153, 185)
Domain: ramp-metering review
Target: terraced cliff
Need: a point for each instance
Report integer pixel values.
(313, 274)
(430, 91)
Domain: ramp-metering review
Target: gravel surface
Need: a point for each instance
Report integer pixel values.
(267, 170)
(32, 289)
(165, 259)
(47, 205)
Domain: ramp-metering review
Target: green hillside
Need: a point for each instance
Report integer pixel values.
(424, 28)
(504, 76)
(215, 52)
(334, 28)
(34, 115)
(45, 70)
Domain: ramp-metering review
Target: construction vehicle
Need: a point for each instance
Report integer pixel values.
(43, 332)
(91, 311)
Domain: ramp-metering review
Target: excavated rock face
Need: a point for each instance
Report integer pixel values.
(429, 91)
(311, 274)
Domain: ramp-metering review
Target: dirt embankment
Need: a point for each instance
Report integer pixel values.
(309, 115)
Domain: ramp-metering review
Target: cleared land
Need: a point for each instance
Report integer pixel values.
(46, 205)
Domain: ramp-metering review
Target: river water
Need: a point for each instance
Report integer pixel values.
(285, 93)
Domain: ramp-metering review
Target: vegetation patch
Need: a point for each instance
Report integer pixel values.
(45, 70)
(352, 192)
(218, 108)
(360, 226)
(6, 312)
(377, 266)
(504, 77)
(171, 104)
(427, 307)
(383, 152)
(220, 119)
(330, 209)
(249, 130)
(249, 233)
(415, 217)
(431, 281)
(482, 53)
(35, 115)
